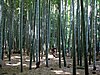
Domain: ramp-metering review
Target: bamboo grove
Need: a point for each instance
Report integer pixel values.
(34, 26)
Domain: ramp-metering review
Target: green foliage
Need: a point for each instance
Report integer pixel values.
(69, 2)
(55, 1)
(98, 0)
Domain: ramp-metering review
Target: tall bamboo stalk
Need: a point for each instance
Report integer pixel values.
(94, 34)
(31, 37)
(3, 27)
(73, 40)
(21, 32)
(59, 29)
(78, 31)
(0, 34)
(62, 33)
(84, 39)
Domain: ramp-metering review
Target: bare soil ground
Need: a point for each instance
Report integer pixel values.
(13, 67)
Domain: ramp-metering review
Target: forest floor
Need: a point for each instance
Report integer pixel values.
(13, 67)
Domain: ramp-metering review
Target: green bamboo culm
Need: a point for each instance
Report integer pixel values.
(58, 38)
(0, 34)
(3, 27)
(37, 31)
(47, 28)
(78, 32)
(47, 33)
(84, 39)
(42, 27)
(90, 34)
(94, 34)
(70, 35)
(86, 23)
(21, 31)
(62, 35)
(35, 7)
(31, 40)
(73, 40)
(10, 28)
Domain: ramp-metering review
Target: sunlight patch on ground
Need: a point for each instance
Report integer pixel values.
(17, 64)
(61, 72)
(12, 57)
(44, 57)
(50, 56)
(57, 59)
(15, 57)
(18, 57)
(5, 56)
(97, 67)
(26, 65)
(42, 60)
(27, 60)
(33, 66)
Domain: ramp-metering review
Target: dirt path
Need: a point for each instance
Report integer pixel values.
(13, 67)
